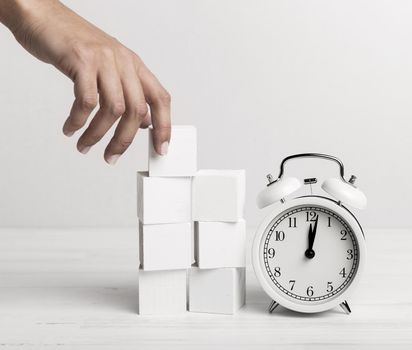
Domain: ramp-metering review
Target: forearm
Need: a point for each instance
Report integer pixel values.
(12, 12)
(32, 23)
(16, 14)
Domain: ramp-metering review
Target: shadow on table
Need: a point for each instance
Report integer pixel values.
(100, 291)
(257, 301)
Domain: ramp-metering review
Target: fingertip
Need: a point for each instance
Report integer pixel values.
(164, 148)
(83, 149)
(112, 159)
(161, 140)
(65, 130)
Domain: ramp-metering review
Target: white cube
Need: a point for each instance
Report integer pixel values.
(165, 246)
(163, 200)
(220, 244)
(220, 291)
(162, 292)
(181, 158)
(218, 195)
(192, 245)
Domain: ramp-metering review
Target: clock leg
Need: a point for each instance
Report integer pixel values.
(345, 307)
(273, 305)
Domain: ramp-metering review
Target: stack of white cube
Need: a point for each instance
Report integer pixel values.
(165, 224)
(171, 195)
(217, 282)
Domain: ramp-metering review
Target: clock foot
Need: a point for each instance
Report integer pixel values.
(345, 307)
(273, 305)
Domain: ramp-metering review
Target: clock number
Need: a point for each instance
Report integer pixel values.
(329, 288)
(271, 253)
(292, 284)
(309, 291)
(350, 254)
(277, 271)
(343, 273)
(292, 222)
(279, 235)
(329, 225)
(344, 234)
(310, 216)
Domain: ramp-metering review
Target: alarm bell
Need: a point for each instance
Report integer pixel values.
(342, 190)
(345, 192)
(277, 190)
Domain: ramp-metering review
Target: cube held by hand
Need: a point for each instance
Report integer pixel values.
(181, 158)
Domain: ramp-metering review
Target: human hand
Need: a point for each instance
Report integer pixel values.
(103, 71)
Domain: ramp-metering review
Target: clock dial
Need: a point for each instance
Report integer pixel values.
(309, 253)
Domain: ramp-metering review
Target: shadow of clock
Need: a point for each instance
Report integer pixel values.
(258, 302)
(283, 312)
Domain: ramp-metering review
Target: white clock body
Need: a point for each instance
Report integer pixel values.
(309, 284)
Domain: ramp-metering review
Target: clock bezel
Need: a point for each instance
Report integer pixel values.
(276, 294)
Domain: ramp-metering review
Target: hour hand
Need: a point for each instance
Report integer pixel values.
(310, 253)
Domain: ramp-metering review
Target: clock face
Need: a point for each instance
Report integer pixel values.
(309, 254)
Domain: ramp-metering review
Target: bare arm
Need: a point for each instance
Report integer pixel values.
(104, 73)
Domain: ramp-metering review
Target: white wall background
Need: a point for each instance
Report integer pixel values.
(260, 80)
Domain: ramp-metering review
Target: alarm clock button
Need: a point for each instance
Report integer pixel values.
(275, 191)
(344, 192)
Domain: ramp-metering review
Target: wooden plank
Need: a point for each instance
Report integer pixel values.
(77, 289)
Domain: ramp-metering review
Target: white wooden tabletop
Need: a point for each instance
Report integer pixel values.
(77, 289)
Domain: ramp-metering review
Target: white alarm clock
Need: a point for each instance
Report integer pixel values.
(309, 252)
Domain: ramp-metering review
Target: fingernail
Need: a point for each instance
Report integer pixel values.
(65, 127)
(113, 159)
(84, 149)
(164, 148)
